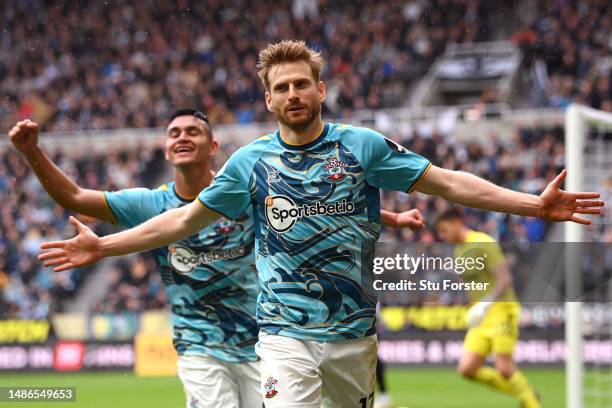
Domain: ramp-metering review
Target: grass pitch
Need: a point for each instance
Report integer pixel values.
(415, 388)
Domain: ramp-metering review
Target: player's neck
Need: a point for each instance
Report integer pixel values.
(189, 181)
(301, 137)
(463, 234)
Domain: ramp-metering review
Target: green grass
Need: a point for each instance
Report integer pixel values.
(103, 390)
(436, 388)
(416, 388)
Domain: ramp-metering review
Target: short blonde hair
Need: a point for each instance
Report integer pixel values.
(288, 51)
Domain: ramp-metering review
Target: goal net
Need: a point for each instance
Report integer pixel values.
(588, 141)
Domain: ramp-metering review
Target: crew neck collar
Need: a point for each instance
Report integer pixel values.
(303, 146)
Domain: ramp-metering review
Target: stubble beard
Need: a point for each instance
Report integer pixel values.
(301, 124)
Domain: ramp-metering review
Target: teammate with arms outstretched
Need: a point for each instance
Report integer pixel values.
(210, 278)
(314, 191)
(493, 318)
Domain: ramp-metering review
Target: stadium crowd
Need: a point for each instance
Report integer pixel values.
(70, 65)
(73, 65)
(533, 157)
(134, 285)
(28, 217)
(567, 47)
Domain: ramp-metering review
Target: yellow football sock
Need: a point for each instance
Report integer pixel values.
(517, 385)
(521, 388)
(492, 378)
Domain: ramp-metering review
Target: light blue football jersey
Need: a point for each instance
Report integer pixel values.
(210, 278)
(317, 218)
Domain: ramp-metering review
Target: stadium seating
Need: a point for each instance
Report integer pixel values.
(526, 163)
(566, 46)
(28, 217)
(94, 75)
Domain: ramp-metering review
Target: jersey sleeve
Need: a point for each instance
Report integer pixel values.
(389, 165)
(131, 207)
(229, 194)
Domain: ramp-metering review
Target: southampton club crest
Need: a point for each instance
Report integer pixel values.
(270, 387)
(273, 176)
(334, 169)
(224, 227)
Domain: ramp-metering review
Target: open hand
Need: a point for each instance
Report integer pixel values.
(84, 249)
(560, 205)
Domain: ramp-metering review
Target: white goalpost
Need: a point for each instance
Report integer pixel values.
(578, 121)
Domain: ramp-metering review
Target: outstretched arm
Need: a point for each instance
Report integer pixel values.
(87, 248)
(64, 191)
(553, 204)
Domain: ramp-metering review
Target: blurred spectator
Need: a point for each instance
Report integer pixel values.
(28, 217)
(527, 162)
(134, 286)
(567, 48)
(73, 65)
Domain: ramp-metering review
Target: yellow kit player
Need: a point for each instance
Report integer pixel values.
(493, 317)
